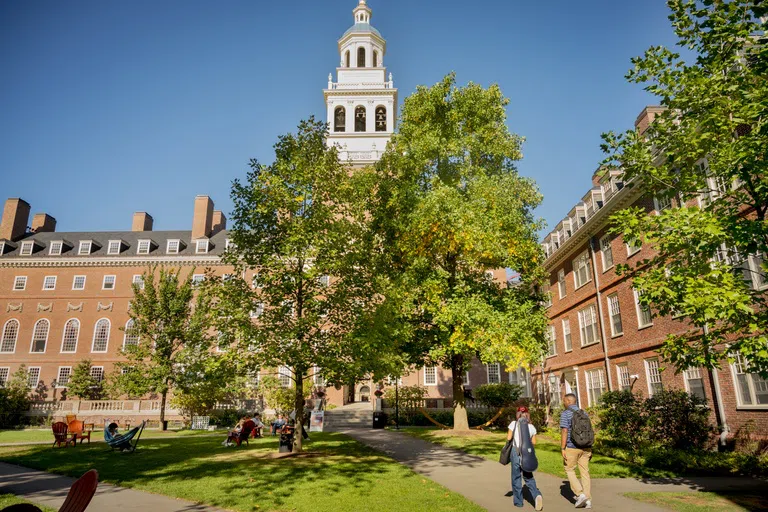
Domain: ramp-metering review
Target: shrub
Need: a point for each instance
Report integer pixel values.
(410, 399)
(226, 417)
(82, 384)
(14, 400)
(498, 396)
(677, 419)
(621, 418)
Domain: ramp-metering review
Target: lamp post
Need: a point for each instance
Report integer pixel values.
(397, 407)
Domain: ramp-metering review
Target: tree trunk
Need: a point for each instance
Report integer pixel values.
(460, 421)
(162, 409)
(299, 406)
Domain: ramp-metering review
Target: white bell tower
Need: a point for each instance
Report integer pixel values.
(362, 103)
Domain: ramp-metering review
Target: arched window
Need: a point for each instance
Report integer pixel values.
(360, 118)
(40, 335)
(101, 336)
(381, 119)
(340, 119)
(131, 338)
(375, 59)
(346, 59)
(10, 333)
(361, 57)
(71, 332)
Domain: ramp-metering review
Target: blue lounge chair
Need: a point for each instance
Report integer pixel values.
(123, 442)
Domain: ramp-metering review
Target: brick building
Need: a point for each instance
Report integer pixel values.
(601, 338)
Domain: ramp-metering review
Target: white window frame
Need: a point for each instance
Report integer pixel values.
(114, 250)
(53, 245)
(578, 266)
(283, 372)
(128, 327)
(46, 286)
(17, 280)
(606, 247)
(138, 279)
(433, 370)
(34, 332)
(58, 377)
(228, 244)
(561, 283)
(15, 336)
(85, 247)
(143, 246)
(64, 334)
(551, 341)
(5, 374)
(694, 373)
(661, 204)
(169, 246)
(197, 246)
(74, 282)
(614, 309)
(652, 365)
(497, 367)
(104, 282)
(757, 272)
(638, 311)
(27, 248)
(258, 310)
(95, 331)
(595, 376)
(37, 377)
(741, 367)
(583, 325)
(197, 278)
(624, 378)
(100, 373)
(567, 336)
(633, 249)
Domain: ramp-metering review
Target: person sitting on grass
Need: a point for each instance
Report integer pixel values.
(278, 424)
(235, 432)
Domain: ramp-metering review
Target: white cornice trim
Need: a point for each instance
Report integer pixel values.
(110, 262)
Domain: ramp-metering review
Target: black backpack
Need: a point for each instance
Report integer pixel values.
(582, 435)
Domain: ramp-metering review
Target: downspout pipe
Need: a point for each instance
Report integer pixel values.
(716, 394)
(592, 244)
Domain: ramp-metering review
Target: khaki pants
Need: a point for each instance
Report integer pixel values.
(578, 457)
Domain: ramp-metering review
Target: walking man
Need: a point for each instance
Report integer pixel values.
(576, 438)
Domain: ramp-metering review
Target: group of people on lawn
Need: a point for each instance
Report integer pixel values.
(277, 426)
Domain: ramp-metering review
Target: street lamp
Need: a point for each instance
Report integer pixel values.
(397, 407)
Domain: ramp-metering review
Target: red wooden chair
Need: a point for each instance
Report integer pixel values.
(245, 432)
(60, 435)
(77, 428)
(81, 492)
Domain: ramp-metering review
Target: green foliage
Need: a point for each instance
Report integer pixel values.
(14, 399)
(226, 418)
(279, 398)
(707, 144)
(498, 396)
(622, 418)
(82, 384)
(409, 400)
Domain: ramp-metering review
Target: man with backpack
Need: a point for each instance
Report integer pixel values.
(576, 440)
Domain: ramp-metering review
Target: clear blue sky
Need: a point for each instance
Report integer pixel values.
(111, 107)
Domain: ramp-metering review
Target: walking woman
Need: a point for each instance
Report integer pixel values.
(519, 443)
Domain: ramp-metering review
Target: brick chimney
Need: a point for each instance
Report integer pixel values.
(219, 222)
(43, 223)
(647, 116)
(202, 220)
(15, 217)
(142, 221)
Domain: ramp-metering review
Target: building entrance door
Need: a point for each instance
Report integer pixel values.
(571, 384)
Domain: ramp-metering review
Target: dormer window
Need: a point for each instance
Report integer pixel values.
(229, 244)
(85, 247)
(201, 247)
(2, 248)
(114, 247)
(55, 248)
(172, 247)
(27, 248)
(144, 246)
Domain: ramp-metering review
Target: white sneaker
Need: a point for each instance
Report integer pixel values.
(581, 501)
(588, 504)
(539, 502)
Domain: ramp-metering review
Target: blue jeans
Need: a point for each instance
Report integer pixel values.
(517, 480)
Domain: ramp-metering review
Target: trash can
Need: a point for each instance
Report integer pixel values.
(286, 442)
(379, 419)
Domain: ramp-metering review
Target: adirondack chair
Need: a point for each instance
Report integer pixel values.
(81, 492)
(245, 432)
(21, 507)
(71, 418)
(77, 428)
(60, 435)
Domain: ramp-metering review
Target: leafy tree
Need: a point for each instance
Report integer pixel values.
(678, 419)
(447, 206)
(14, 399)
(280, 398)
(498, 396)
(294, 225)
(622, 418)
(82, 384)
(409, 400)
(172, 325)
(708, 147)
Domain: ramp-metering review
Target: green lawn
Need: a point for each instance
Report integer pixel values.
(701, 501)
(6, 500)
(336, 475)
(489, 444)
(31, 435)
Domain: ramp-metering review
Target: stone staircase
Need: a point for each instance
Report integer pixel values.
(351, 416)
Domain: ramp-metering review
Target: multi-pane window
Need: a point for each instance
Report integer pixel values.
(324, 280)
(624, 379)
(551, 341)
(614, 310)
(582, 269)
(662, 203)
(653, 374)
(10, 333)
(78, 283)
(138, 280)
(63, 378)
(606, 252)
(757, 272)
(554, 390)
(595, 385)
(752, 389)
(567, 335)
(284, 376)
(644, 316)
(101, 336)
(49, 283)
(561, 282)
(228, 244)
(85, 248)
(633, 247)
(143, 247)
(71, 332)
(172, 247)
(33, 377)
(430, 375)
(40, 336)
(26, 248)
(108, 283)
(4, 372)
(97, 372)
(588, 325)
(258, 310)
(317, 377)
(114, 247)
(55, 248)
(131, 338)
(201, 246)
(494, 373)
(19, 283)
(519, 377)
(694, 383)
(197, 278)
(547, 302)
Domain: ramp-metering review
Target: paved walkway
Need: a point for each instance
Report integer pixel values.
(487, 483)
(50, 490)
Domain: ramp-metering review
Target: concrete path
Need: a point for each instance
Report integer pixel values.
(50, 490)
(487, 483)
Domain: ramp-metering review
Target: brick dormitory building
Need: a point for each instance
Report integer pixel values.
(600, 338)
